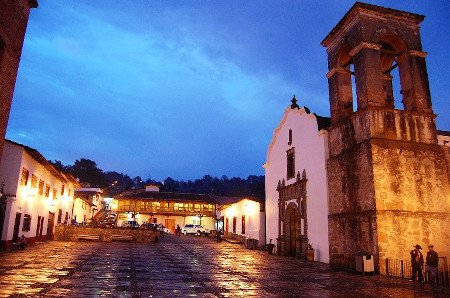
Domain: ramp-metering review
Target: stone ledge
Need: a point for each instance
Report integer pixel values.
(70, 233)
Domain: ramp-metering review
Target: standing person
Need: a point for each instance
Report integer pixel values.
(431, 265)
(417, 263)
(22, 242)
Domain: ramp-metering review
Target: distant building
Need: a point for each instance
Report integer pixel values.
(241, 217)
(296, 184)
(35, 196)
(167, 208)
(13, 23)
(87, 203)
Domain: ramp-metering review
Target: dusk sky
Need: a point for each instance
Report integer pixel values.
(185, 88)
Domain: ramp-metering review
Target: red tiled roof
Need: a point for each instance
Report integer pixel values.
(47, 165)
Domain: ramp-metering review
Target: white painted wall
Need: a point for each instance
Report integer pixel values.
(251, 210)
(25, 200)
(81, 210)
(310, 154)
(90, 206)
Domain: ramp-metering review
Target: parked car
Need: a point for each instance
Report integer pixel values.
(155, 227)
(130, 224)
(194, 229)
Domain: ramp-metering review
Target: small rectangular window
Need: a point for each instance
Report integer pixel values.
(290, 163)
(290, 137)
(41, 187)
(59, 215)
(47, 190)
(26, 223)
(34, 181)
(55, 192)
(24, 177)
(243, 224)
(62, 189)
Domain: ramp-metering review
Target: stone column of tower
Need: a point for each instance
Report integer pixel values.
(387, 176)
(13, 23)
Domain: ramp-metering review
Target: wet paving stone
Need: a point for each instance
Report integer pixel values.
(183, 267)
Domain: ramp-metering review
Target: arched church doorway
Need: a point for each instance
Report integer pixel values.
(292, 221)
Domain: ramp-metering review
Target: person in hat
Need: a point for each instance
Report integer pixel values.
(431, 264)
(417, 263)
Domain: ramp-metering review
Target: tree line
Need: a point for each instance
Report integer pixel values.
(114, 182)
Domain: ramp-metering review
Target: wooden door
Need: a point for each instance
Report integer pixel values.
(38, 227)
(51, 223)
(170, 224)
(41, 228)
(16, 227)
(291, 228)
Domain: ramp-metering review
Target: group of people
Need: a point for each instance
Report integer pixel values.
(431, 264)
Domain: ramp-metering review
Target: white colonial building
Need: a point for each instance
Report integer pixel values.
(35, 195)
(241, 217)
(87, 203)
(296, 184)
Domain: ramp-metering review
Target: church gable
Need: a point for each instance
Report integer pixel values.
(298, 147)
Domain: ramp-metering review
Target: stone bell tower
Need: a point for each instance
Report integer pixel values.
(387, 176)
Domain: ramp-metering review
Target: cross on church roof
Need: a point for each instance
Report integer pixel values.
(294, 104)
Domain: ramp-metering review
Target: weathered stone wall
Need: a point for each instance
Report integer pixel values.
(412, 197)
(70, 233)
(352, 220)
(13, 23)
(388, 185)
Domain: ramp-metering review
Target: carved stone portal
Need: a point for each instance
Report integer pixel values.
(292, 220)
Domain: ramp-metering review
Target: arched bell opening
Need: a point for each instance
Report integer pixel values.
(394, 76)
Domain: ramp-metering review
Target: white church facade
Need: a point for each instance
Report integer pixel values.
(296, 184)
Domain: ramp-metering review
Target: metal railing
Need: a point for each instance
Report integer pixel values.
(403, 269)
(180, 211)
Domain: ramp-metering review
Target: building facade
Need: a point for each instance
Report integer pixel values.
(35, 195)
(13, 23)
(296, 184)
(241, 218)
(166, 208)
(87, 203)
(387, 176)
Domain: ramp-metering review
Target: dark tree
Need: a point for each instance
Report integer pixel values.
(58, 165)
(87, 171)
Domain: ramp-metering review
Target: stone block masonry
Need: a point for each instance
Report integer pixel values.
(412, 199)
(388, 178)
(70, 233)
(13, 22)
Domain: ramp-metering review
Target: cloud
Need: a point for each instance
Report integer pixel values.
(146, 102)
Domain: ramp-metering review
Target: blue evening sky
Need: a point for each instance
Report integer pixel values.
(184, 88)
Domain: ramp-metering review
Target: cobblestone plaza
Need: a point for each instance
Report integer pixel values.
(184, 267)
